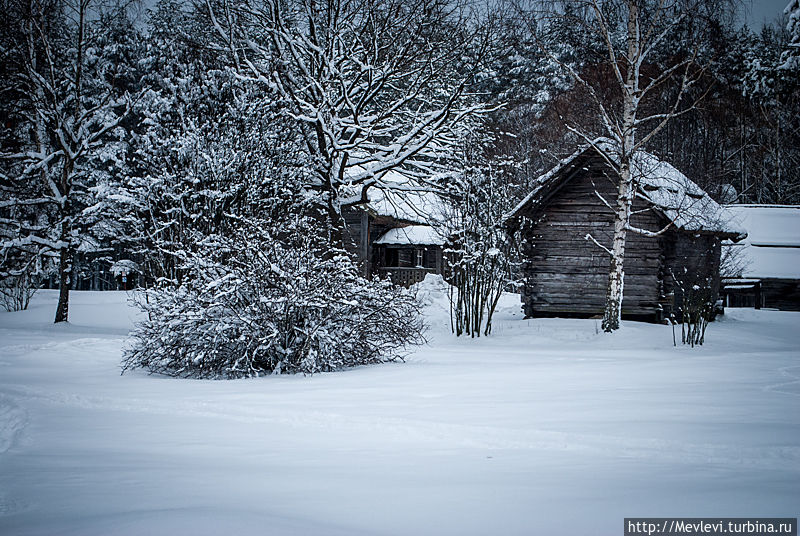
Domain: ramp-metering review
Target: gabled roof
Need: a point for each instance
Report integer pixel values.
(679, 199)
(401, 197)
(772, 247)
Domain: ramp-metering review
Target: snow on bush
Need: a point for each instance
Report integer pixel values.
(481, 259)
(263, 302)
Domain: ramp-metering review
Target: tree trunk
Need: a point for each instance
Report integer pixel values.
(338, 233)
(66, 253)
(616, 273)
(626, 189)
(65, 279)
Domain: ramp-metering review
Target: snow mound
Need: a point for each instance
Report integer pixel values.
(433, 291)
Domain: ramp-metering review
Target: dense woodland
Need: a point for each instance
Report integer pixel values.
(186, 134)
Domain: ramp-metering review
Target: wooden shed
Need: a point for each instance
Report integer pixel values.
(566, 274)
(394, 235)
(763, 271)
(407, 254)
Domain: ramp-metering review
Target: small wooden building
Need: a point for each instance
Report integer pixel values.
(566, 274)
(764, 269)
(394, 235)
(408, 254)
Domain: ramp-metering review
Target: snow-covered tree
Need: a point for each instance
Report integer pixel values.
(372, 86)
(534, 89)
(772, 91)
(199, 172)
(178, 177)
(735, 138)
(480, 255)
(69, 102)
(790, 59)
(253, 286)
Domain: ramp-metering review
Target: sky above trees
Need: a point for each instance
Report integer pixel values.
(760, 12)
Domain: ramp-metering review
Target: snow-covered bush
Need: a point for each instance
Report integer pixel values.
(267, 301)
(17, 290)
(480, 255)
(21, 274)
(694, 309)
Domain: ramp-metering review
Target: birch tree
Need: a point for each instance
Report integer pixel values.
(632, 32)
(69, 104)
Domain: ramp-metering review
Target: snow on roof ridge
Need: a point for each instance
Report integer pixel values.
(662, 184)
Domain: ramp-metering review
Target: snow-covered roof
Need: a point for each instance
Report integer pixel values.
(401, 197)
(681, 201)
(768, 263)
(768, 225)
(423, 235)
(407, 205)
(772, 246)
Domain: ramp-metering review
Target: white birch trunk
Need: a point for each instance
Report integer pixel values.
(616, 273)
(625, 191)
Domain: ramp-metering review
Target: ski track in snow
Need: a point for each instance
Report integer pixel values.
(12, 420)
(782, 387)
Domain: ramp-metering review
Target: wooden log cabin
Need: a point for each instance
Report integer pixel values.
(407, 254)
(394, 234)
(566, 274)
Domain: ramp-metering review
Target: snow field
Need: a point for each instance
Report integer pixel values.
(546, 427)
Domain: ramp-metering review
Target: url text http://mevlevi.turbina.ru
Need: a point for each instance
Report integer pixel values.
(706, 526)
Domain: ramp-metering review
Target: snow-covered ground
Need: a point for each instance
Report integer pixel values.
(547, 427)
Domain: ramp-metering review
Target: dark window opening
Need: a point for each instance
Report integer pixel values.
(406, 257)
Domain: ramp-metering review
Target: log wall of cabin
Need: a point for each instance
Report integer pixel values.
(564, 273)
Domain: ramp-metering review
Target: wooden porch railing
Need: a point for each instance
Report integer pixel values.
(405, 276)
